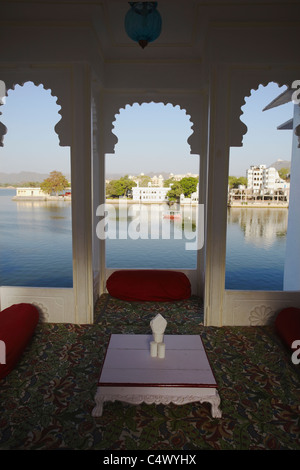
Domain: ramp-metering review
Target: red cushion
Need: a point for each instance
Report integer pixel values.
(149, 285)
(287, 324)
(17, 325)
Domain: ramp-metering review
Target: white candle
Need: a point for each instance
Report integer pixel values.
(161, 350)
(158, 337)
(153, 349)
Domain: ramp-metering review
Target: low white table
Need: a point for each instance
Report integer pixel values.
(129, 373)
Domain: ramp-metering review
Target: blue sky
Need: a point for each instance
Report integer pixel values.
(151, 137)
(263, 143)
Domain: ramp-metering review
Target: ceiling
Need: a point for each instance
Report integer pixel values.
(178, 37)
(184, 22)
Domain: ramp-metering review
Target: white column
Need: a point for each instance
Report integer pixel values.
(98, 192)
(292, 257)
(81, 194)
(202, 194)
(217, 186)
(101, 136)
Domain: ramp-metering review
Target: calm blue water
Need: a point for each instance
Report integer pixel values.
(255, 248)
(161, 243)
(36, 245)
(35, 242)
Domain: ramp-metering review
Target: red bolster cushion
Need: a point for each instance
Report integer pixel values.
(287, 325)
(149, 285)
(17, 325)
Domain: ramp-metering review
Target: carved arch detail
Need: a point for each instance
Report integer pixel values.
(59, 87)
(242, 86)
(184, 103)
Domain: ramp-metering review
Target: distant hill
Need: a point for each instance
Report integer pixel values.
(26, 176)
(23, 177)
(116, 176)
(164, 174)
(281, 164)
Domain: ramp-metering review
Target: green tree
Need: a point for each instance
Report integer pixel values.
(175, 192)
(111, 190)
(235, 182)
(231, 181)
(119, 188)
(55, 183)
(284, 173)
(189, 185)
(32, 184)
(144, 180)
(168, 182)
(242, 180)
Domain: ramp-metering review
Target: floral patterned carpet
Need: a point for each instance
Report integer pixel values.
(46, 402)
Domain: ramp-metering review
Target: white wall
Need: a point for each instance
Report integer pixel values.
(292, 257)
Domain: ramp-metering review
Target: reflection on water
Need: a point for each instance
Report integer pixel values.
(53, 206)
(255, 248)
(36, 243)
(260, 226)
(139, 236)
(150, 221)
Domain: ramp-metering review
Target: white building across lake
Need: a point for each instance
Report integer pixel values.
(260, 177)
(264, 187)
(30, 193)
(39, 195)
(159, 194)
(150, 194)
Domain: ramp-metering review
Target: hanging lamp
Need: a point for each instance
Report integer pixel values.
(143, 22)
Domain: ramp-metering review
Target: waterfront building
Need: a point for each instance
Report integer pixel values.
(157, 181)
(262, 197)
(38, 194)
(150, 194)
(195, 195)
(180, 176)
(264, 188)
(30, 193)
(259, 177)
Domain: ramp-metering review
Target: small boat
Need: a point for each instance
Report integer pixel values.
(172, 215)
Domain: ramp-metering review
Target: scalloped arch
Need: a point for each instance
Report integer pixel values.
(3, 131)
(184, 107)
(62, 126)
(158, 102)
(250, 87)
(265, 83)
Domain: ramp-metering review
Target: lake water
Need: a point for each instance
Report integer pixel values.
(36, 244)
(255, 250)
